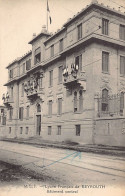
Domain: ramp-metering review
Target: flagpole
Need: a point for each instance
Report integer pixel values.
(47, 15)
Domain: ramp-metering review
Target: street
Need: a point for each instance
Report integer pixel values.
(24, 165)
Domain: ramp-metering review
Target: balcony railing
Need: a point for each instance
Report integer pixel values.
(110, 106)
(75, 78)
(7, 100)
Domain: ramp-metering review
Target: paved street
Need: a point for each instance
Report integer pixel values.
(51, 166)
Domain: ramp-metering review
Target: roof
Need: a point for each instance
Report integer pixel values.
(85, 10)
(19, 59)
(38, 36)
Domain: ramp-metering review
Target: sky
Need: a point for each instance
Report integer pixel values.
(19, 19)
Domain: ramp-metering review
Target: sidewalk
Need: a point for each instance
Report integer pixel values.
(98, 149)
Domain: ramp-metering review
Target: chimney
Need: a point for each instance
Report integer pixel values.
(44, 30)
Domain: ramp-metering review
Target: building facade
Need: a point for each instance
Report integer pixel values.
(71, 86)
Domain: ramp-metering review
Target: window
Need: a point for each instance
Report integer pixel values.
(27, 130)
(104, 100)
(52, 50)
(37, 57)
(122, 32)
(79, 27)
(122, 65)
(121, 102)
(21, 130)
(28, 64)
(51, 78)
(50, 108)
(75, 102)
(9, 130)
(22, 92)
(23, 68)
(105, 62)
(80, 101)
(40, 82)
(49, 130)
(78, 130)
(38, 108)
(11, 73)
(58, 130)
(105, 26)
(21, 113)
(59, 106)
(78, 61)
(60, 74)
(11, 93)
(61, 45)
(27, 112)
(4, 120)
(10, 113)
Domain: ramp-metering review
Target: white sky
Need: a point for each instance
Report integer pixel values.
(19, 19)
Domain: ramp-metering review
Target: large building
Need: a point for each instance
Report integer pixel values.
(71, 86)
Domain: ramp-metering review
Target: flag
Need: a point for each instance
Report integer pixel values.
(48, 10)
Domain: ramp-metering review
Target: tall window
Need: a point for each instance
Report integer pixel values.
(40, 82)
(11, 73)
(75, 102)
(80, 100)
(61, 45)
(49, 130)
(27, 130)
(22, 90)
(21, 113)
(78, 61)
(78, 130)
(10, 113)
(121, 102)
(38, 108)
(104, 100)
(21, 130)
(27, 112)
(9, 130)
(122, 32)
(105, 26)
(52, 50)
(79, 28)
(51, 78)
(105, 62)
(28, 64)
(122, 65)
(59, 130)
(11, 93)
(23, 68)
(50, 108)
(60, 74)
(37, 56)
(59, 106)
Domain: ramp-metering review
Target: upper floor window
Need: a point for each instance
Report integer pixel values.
(105, 62)
(59, 106)
(78, 61)
(38, 108)
(37, 57)
(122, 65)
(40, 82)
(51, 78)
(59, 130)
(104, 100)
(79, 28)
(49, 130)
(80, 100)
(11, 73)
(21, 113)
(11, 92)
(50, 108)
(28, 64)
(122, 32)
(75, 102)
(23, 68)
(105, 26)
(27, 112)
(52, 50)
(121, 102)
(61, 45)
(60, 74)
(10, 113)
(22, 90)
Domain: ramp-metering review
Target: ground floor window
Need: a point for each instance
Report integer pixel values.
(27, 130)
(21, 130)
(58, 130)
(49, 130)
(9, 130)
(78, 130)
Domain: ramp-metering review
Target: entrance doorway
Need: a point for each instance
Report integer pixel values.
(38, 125)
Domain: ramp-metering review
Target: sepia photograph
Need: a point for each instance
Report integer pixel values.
(62, 97)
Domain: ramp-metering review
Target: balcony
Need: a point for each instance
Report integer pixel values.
(75, 78)
(7, 100)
